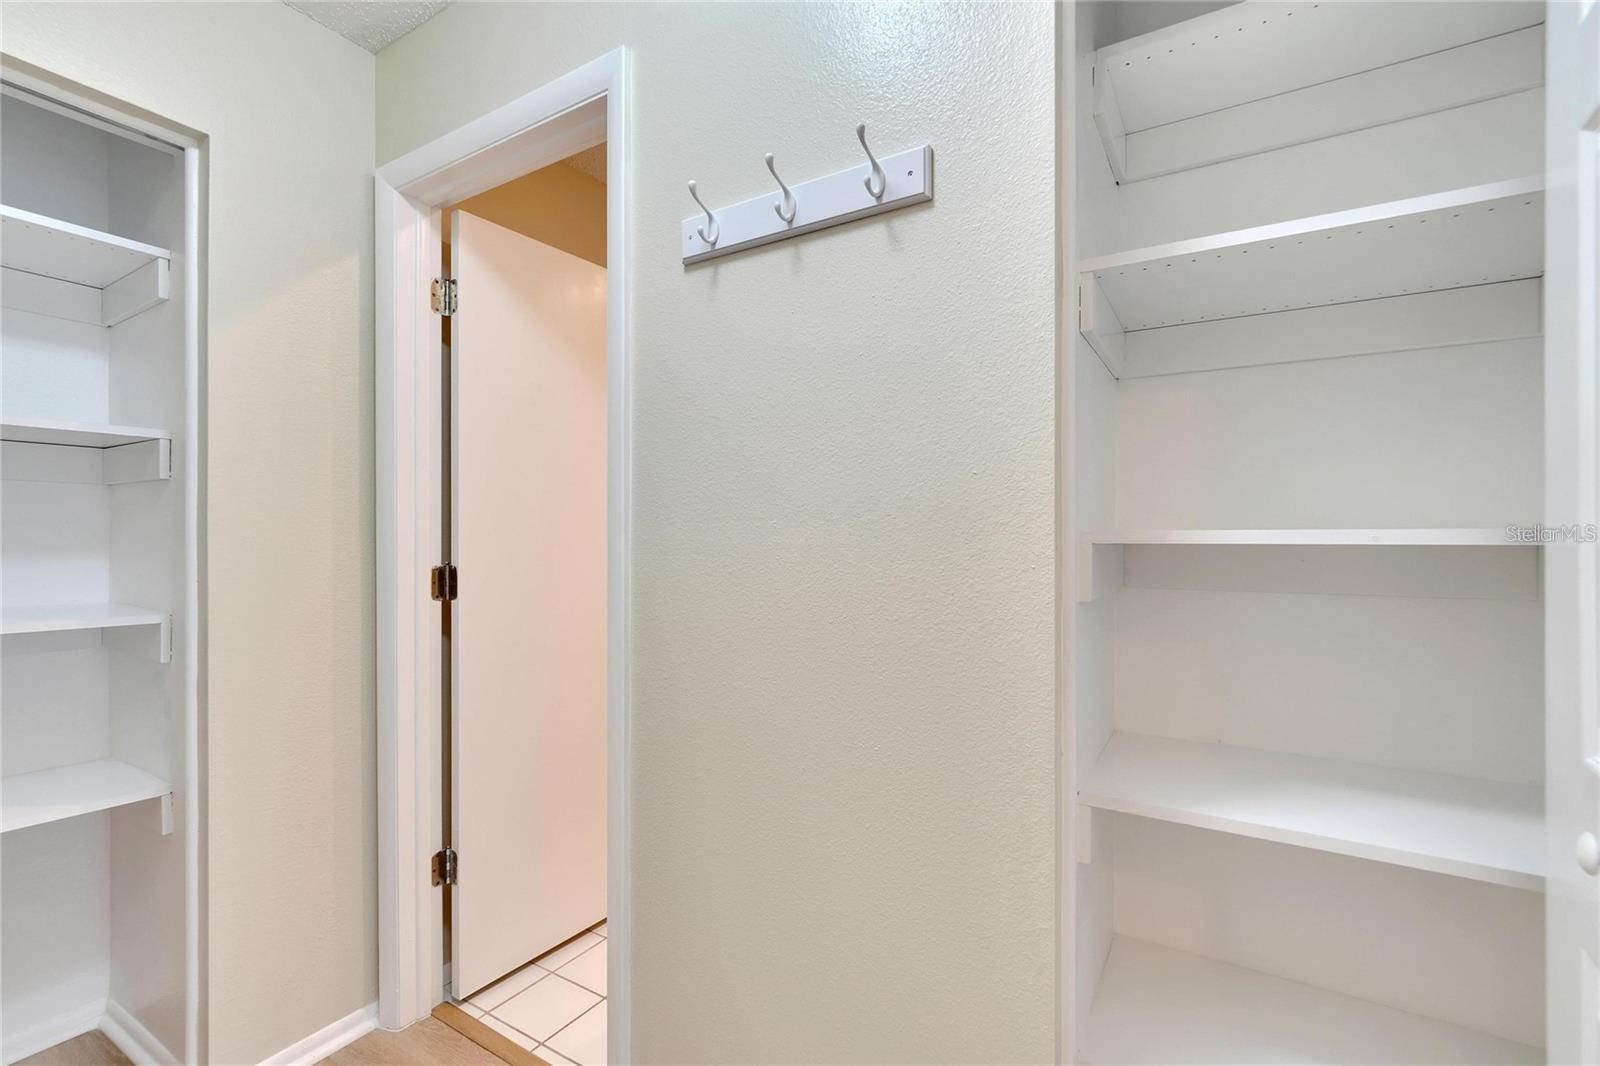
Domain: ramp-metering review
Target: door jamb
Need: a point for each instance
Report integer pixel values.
(572, 112)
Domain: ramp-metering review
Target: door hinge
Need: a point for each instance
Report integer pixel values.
(444, 867)
(444, 296)
(443, 580)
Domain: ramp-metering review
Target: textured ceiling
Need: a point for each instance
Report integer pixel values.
(590, 161)
(372, 24)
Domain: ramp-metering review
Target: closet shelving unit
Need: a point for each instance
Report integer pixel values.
(98, 555)
(1305, 703)
(82, 788)
(1485, 830)
(80, 435)
(1266, 75)
(111, 278)
(1466, 237)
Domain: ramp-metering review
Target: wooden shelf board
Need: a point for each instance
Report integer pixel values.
(1155, 1004)
(1460, 537)
(56, 618)
(68, 791)
(1265, 48)
(52, 248)
(1480, 235)
(77, 434)
(1482, 830)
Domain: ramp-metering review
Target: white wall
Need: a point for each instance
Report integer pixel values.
(844, 727)
(287, 108)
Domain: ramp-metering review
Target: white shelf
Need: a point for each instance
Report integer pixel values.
(68, 791)
(77, 434)
(1472, 537)
(1296, 72)
(38, 244)
(1158, 1005)
(1481, 830)
(57, 618)
(1475, 236)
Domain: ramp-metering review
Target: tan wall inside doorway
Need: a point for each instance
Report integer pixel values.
(556, 205)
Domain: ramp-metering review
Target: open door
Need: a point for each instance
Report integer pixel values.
(1572, 504)
(528, 626)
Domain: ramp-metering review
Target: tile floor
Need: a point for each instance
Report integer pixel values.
(556, 1005)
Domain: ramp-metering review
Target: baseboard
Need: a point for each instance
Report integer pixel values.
(330, 1038)
(20, 1043)
(133, 1039)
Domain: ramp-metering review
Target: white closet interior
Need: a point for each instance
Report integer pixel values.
(96, 574)
(1305, 400)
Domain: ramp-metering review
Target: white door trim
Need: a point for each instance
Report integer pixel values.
(574, 111)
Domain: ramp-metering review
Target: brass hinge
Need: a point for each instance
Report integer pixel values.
(444, 580)
(444, 867)
(443, 296)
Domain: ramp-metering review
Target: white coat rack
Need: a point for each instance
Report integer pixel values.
(876, 186)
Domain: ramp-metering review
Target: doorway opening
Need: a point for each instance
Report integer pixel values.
(503, 712)
(524, 664)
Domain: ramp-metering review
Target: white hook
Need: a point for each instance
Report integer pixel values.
(877, 171)
(711, 220)
(788, 197)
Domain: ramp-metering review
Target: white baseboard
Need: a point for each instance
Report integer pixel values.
(330, 1038)
(20, 1043)
(133, 1039)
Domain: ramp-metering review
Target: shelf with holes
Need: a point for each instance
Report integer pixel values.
(1483, 235)
(1265, 74)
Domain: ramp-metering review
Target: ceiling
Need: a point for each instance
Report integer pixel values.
(372, 24)
(590, 161)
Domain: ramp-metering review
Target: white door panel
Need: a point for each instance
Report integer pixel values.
(528, 639)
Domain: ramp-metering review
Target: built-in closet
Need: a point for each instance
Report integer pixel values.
(1304, 404)
(98, 560)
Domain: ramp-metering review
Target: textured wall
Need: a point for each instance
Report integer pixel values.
(288, 109)
(844, 725)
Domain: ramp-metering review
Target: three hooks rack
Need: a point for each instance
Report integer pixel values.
(872, 188)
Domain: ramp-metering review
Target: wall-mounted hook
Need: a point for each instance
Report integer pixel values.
(711, 220)
(874, 191)
(786, 209)
(805, 206)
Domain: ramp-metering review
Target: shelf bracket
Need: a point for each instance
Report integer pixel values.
(139, 291)
(1099, 325)
(164, 650)
(146, 460)
(1108, 121)
(167, 819)
(1099, 570)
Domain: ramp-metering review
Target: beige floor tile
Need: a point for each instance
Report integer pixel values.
(506, 987)
(546, 1007)
(588, 969)
(567, 952)
(584, 1041)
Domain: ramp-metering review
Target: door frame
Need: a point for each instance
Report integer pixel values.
(575, 111)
